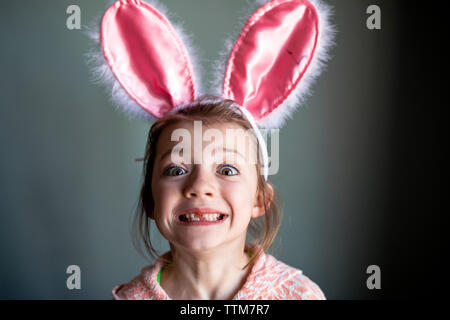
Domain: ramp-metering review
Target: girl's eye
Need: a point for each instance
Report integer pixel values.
(174, 171)
(228, 171)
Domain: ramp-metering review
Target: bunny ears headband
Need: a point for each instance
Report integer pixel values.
(279, 52)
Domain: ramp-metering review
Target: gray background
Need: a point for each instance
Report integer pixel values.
(69, 183)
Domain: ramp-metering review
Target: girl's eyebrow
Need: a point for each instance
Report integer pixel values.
(169, 151)
(226, 150)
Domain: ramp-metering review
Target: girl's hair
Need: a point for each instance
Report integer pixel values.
(210, 110)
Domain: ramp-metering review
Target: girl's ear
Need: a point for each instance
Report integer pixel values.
(258, 207)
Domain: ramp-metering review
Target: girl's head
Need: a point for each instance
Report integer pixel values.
(204, 158)
(158, 76)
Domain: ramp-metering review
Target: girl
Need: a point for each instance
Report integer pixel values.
(204, 211)
(204, 196)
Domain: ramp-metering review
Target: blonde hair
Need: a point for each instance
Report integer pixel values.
(211, 110)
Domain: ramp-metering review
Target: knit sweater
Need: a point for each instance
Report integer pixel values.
(269, 279)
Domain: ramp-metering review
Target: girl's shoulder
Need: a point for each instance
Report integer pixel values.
(271, 279)
(143, 287)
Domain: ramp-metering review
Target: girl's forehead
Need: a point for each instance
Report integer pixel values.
(201, 129)
(226, 137)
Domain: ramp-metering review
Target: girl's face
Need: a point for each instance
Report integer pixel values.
(205, 195)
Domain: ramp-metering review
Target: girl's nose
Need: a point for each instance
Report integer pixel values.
(199, 185)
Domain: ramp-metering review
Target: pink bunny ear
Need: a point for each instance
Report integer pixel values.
(279, 51)
(147, 56)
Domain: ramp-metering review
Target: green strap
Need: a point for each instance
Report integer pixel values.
(159, 275)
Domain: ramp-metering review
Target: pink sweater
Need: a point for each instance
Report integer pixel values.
(269, 279)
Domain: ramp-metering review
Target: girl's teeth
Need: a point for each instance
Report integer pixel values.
(204, 217)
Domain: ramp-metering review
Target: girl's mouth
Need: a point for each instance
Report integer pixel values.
(202, 218)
